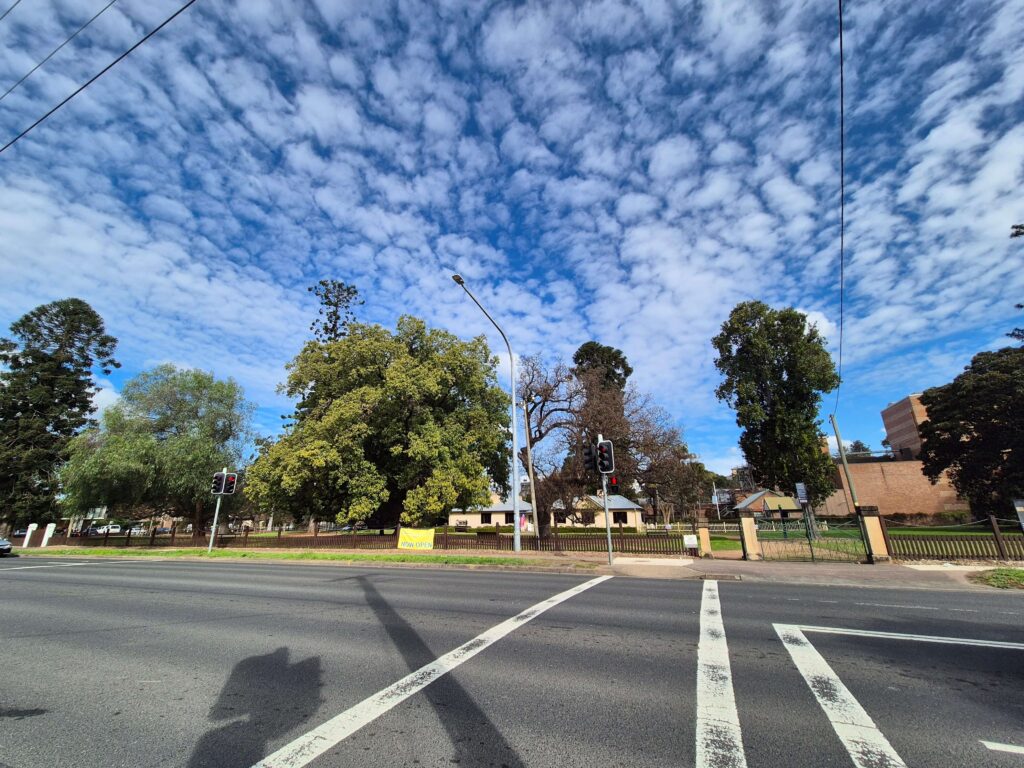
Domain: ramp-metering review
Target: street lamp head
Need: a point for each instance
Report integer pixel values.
(458, 279)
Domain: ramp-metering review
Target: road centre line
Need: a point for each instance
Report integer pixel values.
(916, 638)
(863, 741)
(311, 745)
(719, 740)
(995, 746)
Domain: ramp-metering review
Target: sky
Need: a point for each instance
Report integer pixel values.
(619, 171)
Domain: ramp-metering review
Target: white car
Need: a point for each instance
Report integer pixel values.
(112, 528)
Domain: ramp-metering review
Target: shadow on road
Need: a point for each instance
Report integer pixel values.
(271, 695)
(475, 739)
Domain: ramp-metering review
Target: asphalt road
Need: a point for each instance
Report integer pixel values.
(148, 663)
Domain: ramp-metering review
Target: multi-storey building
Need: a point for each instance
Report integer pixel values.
(902, 421)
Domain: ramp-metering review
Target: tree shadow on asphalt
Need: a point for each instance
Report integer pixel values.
(271, 695)
(475, 739)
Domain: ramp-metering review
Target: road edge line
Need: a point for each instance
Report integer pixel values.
(314, 743)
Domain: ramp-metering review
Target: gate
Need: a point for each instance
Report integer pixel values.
(795, 541)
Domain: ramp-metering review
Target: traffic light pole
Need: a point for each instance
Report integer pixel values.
(607, 519)
(216, 514)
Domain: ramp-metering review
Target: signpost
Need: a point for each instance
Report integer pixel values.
(1018, 504)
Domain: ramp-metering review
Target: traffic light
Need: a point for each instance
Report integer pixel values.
(605, 457)
(218, 484)
(229, 482)
(613, 484)
(589, 458)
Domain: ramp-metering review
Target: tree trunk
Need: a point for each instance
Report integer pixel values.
(197, 520)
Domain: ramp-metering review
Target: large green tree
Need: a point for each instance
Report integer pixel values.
(775, 368)
(46, 397)
(159, 445)
(389, 426)
(610, 364)
(975, 431)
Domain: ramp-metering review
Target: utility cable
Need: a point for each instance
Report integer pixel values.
(52, 53)
(4, 15)
(842, 206)
(99, 74)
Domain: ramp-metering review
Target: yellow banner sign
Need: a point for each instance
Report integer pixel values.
(412, 538)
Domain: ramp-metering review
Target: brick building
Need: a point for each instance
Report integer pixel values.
(896, 488)
(902, 421)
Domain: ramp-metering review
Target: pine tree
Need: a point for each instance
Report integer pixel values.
(46, 393)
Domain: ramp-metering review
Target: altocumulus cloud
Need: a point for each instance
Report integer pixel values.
(625, 171)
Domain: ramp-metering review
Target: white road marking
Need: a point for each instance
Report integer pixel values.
(916, 638)
(719, 739)
(309, 746)
(995, 746)
(892, 605)
(50, 565)
(867, 746)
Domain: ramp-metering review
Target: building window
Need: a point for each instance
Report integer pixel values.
(485, 518)
(620, 517)
(510, 518)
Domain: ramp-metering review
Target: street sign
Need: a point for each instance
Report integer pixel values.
(801, 493)
(1018, 504)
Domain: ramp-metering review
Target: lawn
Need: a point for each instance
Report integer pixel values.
(1002, 578)
(725, 544)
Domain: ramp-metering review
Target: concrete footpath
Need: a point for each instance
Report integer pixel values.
(887, 575)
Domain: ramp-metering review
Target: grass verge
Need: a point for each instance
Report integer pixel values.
(336, 556)
(1001, 578)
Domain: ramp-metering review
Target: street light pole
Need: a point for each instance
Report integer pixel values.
(516, 543)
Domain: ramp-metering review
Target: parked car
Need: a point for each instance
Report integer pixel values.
(138, 530)
(111, 528)
(20, 532)
(5, 547)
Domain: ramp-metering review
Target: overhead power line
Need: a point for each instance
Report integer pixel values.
(4, 16)
(52, 53)
(98, 75)
(842, 205)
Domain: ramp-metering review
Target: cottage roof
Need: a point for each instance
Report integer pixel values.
(775, 502)
(501, 505)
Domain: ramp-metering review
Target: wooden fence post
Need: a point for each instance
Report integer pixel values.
(245, 537)
(152, 535)
(1000, 544)
(106, 535)
(445, 536)
(174, 530)
(128, 538)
